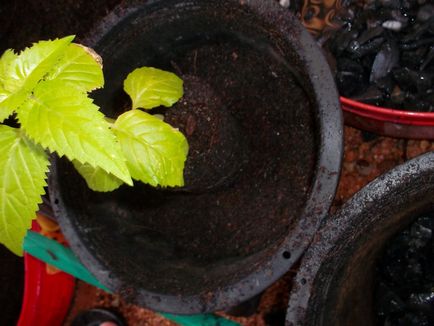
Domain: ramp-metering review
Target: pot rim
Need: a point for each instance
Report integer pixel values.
(324, 183)
(350, 216)
(388, 122)
(387, 114)
(47, 297)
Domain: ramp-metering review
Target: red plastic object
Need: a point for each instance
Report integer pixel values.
(47, 297)
(388, 122)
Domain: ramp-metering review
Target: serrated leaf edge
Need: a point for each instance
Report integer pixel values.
(25, 222)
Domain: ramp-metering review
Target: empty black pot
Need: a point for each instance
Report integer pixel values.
(11, 286)
(265, 155)
(335, 283)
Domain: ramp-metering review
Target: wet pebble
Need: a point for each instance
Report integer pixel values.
(404, 292)
(393, 25)
(425, 12)
(384, 53)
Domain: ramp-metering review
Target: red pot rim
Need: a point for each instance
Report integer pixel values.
(385, 114)
(47, 297)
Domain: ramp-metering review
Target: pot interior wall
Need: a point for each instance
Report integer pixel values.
(11, 286)
(182, 241)
(343, 290)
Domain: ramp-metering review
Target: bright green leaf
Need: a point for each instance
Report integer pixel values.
(32, 64)
(80, 67)
(25, 70)
(155, 151)
(11, 102)
(96, 178)
(64, 120)
(5, 61)
(23, 168)
(3, 95)
(5, 110)
(150, 87)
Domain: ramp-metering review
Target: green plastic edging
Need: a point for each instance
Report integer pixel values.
(203, 320)
(61, 257)
(57, 255)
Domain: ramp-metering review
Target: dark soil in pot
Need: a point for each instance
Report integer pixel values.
(26, 21)
(11, 286)
(265, 138)
(238, 137)
(335, 284)
(404, 290)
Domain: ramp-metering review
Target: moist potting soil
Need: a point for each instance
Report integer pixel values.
(26, 21)
(239, 173)
(405, 277)
(383, 53)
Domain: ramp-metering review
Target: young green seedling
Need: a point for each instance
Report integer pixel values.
(45, 89)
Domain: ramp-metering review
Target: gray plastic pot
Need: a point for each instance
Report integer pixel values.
(334, 285)
(275, 121)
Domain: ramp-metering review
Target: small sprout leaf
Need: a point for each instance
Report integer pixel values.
(96, 178)
(150, 87)
(155, 151)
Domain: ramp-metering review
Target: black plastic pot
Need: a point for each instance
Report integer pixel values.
(11, 286)
(264, 161)
(335, 283)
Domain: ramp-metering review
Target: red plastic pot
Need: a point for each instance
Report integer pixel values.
(388, 122)
(47, 297)
(376, 119)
